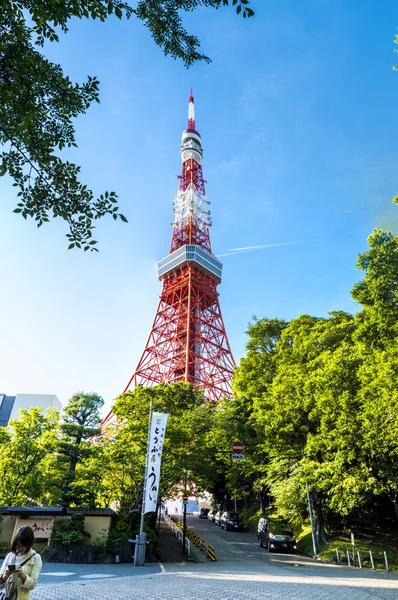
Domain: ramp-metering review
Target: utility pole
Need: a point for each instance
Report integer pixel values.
(184, 523)
(311, 520)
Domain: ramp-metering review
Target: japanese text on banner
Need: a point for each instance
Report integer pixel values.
(154, 459)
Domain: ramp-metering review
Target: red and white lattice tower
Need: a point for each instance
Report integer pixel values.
(188, 341)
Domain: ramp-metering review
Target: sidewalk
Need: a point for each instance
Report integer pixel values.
(172, 549)
(169, 545)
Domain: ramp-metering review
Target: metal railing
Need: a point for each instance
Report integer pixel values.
(178, 533)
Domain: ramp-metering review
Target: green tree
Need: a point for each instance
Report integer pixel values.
(80, 422)
(320, 398)
(378, 291)
(379, 416)
(184, 451)
(38, 102)
(24, 454)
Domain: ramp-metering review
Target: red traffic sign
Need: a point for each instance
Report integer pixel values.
(238, 447)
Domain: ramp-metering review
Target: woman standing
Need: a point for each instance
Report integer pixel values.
(21, 567)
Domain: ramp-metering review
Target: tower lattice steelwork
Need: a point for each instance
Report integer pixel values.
(188, 341)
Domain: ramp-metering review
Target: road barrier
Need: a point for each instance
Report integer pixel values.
(190, 536)
(211, 553)
(175, 524)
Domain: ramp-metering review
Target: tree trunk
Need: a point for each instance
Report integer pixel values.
(393, 498)
(261, 500)
(319, 519)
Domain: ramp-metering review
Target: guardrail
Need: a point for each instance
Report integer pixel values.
(191, 535)
(178, 533)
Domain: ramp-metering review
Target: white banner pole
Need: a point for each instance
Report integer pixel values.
(158, 432)
(146, 470)
(140, 544)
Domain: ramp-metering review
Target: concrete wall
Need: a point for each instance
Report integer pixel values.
(7, 527)
(27, 401)
(96, 526)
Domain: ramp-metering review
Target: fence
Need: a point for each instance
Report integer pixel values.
(178, 533)
(190, 536)
(361, 559)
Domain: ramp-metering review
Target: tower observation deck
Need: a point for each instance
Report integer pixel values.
(188, 341)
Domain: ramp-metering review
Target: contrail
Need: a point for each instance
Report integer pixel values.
(232, 251)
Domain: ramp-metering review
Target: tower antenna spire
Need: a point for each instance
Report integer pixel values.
(191, 112)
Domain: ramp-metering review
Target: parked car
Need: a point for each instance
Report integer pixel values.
(211, 515)
(231, 520)
(203, 513)
(276, 534)
(217, 518)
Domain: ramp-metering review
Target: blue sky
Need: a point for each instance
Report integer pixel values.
(299, 121)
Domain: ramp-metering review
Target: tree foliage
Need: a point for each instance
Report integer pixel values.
(320, 397)
(73, 477)
(38, 102)
(184, 451)
(24, 452)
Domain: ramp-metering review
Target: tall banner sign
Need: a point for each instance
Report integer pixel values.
(154, 459)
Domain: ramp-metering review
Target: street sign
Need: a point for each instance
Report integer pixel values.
(238, 447)
(238, 457)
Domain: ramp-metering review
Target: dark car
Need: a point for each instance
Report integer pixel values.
(231, 520)
(217, 518)
(203, 513)
(276, 534)
(210, 516)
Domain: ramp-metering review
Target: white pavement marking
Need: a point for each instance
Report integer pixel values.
(163, 568)
(58, 574)
(96, 576)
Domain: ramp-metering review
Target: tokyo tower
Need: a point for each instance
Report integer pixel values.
(188, 341)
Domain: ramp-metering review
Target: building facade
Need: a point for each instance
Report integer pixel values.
(11, 405)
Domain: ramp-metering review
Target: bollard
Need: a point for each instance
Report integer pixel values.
(385, 560)
(202, 545)
(348, 558)
(371, 560)
(337, 555)
(211, 553)
(359, 560)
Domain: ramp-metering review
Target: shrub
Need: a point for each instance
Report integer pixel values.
(100, 542)
(67, 531)
(250, 517)
(42, 549)
(5, 548)
(121, 531)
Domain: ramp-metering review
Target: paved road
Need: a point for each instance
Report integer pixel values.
(243, 571)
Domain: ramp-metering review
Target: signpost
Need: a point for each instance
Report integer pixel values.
(237, 451)
(237, 454)
(238, 447)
